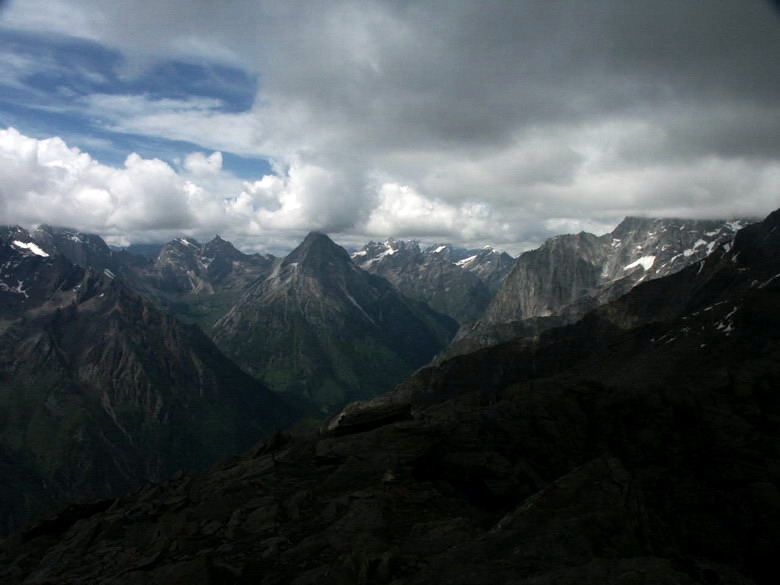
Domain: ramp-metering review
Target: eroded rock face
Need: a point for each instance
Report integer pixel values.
(489, 265)
(456, 282)
(572, 274)
(85, 250)
(601, 452)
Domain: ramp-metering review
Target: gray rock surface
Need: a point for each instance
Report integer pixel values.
(456, 282)
(571, 274)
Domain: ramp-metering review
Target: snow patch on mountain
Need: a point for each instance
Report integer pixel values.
(466, 261)
(32, 247)
(646, 262)
(14, 289)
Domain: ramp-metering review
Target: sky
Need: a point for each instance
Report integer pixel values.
(501, 122)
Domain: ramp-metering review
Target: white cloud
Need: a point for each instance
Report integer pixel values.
(300, 197)
(198, 120)
(46, 181)
(199, 164)
(404, 212)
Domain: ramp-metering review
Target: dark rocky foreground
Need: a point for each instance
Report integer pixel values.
(641, 445)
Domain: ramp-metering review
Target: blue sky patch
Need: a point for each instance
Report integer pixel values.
(45, 83)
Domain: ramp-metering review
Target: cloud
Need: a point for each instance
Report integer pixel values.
(47, 181)
(199, 164)
(505, 121)
(404, 212)
(195, 119)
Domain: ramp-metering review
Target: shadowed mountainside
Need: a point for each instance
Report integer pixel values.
(100, 392)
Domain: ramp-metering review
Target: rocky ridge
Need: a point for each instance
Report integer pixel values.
(453, 281)
(197, 282)
(489, 265)
(571, 274)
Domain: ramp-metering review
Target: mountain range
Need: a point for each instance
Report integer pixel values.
(355, 337)
(453, 281)
(317, 327)
(569, 275)
(637, 445)
(196, 282)
(100, 391)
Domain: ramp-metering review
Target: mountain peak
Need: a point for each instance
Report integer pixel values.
(219, 244)
(315, 236)
(10, 232)
(317, 248)
(188, 242)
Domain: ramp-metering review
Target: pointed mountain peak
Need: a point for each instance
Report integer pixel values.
(45, 228)
(218, 243)
(314, 237)
(317, 248)
(180, 250)
(631, 224)
(178, 246)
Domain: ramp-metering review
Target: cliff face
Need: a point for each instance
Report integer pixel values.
(489, 265)
(325, 332)
(458, 283)
(100, 392)
(572, 274)
(600, 452)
